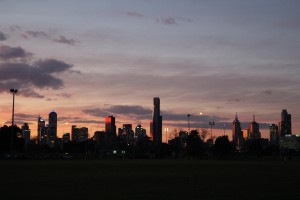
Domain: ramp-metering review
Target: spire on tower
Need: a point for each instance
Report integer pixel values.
(254, 117)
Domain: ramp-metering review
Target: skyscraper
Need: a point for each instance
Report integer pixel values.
(52, 130)
(237, 134)
(285, 126)
(41, 133)
(254, 129)
(128, 134)
(156, 124)
(110, 125)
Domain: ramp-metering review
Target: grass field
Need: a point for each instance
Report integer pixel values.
(149, 179)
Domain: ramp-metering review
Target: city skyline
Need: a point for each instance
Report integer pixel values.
(90, 60)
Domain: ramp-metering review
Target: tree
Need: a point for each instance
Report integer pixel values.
(194, 145)
(222, 146)
(173, 134)
(203, 133)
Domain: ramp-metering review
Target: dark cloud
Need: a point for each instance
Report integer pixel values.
(235, 100)
(268, 92)
(26, 116)
(134, 14)
(27, 77)
(65, 40)
(37, 33)
(53, 66)
(133, 111)
(12, 53)
(2, 36)
(167, 21)
(28, 92)
(64, 95)
(126, 109)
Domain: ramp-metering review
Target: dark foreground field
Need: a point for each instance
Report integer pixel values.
(149, 179)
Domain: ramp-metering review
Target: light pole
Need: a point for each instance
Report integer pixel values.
(188, 115)
(13, 91)
(211, 125)
(166, 130)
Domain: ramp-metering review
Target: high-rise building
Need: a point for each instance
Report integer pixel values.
(52, 130)
(140, 132)
(79, 134)
(110, 125)
(285, 125)
(237, 134)
(128, 134)
(254, 129)
(26, 133)
(41, 131)
(156, 124)
(274, 134)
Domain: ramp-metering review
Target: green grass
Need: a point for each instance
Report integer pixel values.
(149, 179)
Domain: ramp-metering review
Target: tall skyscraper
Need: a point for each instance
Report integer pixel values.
(52, 130)
(254, 129)
(156, 124)
(41, 131)
(110, 125)
(237, 134)
(285, 126)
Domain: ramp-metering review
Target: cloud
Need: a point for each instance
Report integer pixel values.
(26, 116)
(53, 66)
(133, 111)
(37, 33)
(134, 14)
(28, 92)
(2, 36)
(167, 21)
(27, 77)
(64, 95)
(65, 40)
(12, 53)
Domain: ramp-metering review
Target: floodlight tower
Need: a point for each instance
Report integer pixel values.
(13, 91)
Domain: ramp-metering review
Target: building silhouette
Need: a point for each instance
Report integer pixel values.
(140, 132)
(52, 128)
(128, 134)
(274, 134)
(254, 129)
(26, 133)
(285, 125)
(237, 134)
(110, 125)
(41, 131)
(156, 123)
(66, 137)
(79, 134)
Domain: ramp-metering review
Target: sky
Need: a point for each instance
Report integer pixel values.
(89, 59)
